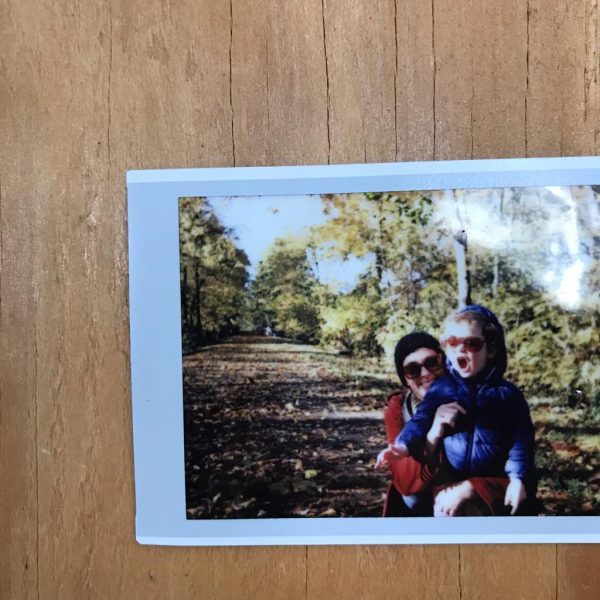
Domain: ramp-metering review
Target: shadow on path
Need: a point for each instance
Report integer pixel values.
(276, 429)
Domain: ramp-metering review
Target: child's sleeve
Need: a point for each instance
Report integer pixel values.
(414, 432)
(520, 463)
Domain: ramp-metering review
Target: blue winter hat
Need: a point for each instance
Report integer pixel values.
(484, 312)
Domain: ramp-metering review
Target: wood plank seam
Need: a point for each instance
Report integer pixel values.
(326, 81)
(231, 79)
(556, 568)
(434, 76)
(460, 574)
(36, 453)
(527, 76)
(396, 80)
(110, 64)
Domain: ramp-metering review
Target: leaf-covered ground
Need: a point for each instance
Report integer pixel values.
(567, 458)
(277, 429)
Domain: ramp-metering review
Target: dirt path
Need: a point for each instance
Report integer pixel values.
(277, 429)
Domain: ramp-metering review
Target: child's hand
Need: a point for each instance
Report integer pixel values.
(445, 418)
(515, 495)
(390, 454)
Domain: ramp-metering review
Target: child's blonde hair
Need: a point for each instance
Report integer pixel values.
(490, 331)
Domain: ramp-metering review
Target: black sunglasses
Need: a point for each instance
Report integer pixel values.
(413, 369)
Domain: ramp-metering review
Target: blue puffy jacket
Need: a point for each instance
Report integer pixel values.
(494, 438)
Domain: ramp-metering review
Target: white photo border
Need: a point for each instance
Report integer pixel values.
(156, 351)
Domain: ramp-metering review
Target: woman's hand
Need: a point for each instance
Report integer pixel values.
(449, 501)
(515, 495)
(390, 454)
(445, 419)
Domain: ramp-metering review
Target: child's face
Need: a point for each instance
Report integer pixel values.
(460, 341)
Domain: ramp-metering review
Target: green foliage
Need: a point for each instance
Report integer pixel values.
(213, 275)
(533, 257)
(296, 317)
(559, 344)
(282, 294)
(384, 226)
(436, 301)
(351, 323)
(410, 283)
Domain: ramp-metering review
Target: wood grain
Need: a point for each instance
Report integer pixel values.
(383, 572)
(563, 119)
(251, 41)
(499, 66)
(562, 99)
(297, 84)
(499, 55)
(362, 60)
(90, 90)
(497, 572)
(279, 83)
(453, 79)
(18, 353)
(578, 572)
(70, 155)
(361, 68)
(200, 133)
(415, 81)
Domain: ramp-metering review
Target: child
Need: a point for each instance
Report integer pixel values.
(495, 436)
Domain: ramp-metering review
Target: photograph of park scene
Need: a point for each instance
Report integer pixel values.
(291, 309)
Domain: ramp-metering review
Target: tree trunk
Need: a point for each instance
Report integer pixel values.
(496, 275)
(462, 269)
(184, 300)
(379, 250)
(197, 298)
(496, 280)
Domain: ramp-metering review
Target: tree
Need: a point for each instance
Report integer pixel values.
(352, 321)
(535, 261)
(395, 236)
(283, 292)
(213, 275)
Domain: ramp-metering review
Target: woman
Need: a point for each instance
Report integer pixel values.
(429, 487)
(419, 361)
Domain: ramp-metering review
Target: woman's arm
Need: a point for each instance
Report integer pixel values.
(409, 476)
(392, 416)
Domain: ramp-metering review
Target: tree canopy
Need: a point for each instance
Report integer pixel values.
(214, 273)
(531, 255)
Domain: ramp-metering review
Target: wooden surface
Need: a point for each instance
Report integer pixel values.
(91, 89)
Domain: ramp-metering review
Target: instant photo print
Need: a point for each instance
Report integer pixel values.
(266, 309)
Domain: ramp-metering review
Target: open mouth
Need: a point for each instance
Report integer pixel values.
(462, 362)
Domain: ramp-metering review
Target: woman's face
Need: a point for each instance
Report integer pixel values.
(420, 384)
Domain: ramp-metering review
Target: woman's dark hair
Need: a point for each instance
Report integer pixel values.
(409, 344)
